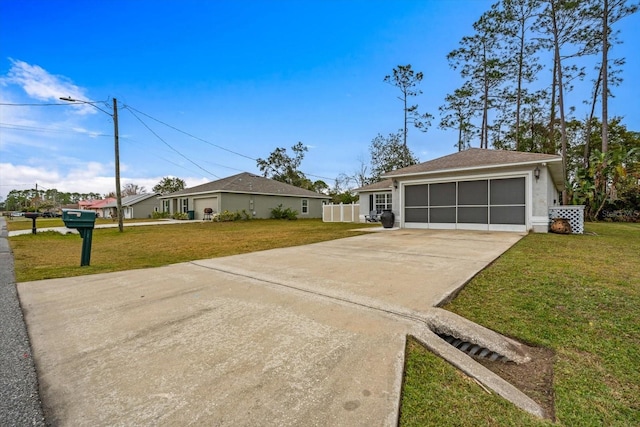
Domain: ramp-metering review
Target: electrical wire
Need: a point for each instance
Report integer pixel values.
(190, 135)
(171, 147)
(45, 130)
(210, 143)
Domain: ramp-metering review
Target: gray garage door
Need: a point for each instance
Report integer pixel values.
(467, 204)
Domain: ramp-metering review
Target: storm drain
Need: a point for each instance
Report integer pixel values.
(474, 350)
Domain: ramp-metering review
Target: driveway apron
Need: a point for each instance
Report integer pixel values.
(305, 336)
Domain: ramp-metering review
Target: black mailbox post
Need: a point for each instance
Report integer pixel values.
(83, 221)
(32, 216)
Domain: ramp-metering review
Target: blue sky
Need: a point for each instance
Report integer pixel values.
(244, 76)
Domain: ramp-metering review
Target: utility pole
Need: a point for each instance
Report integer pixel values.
(114, 116)
(117, 149)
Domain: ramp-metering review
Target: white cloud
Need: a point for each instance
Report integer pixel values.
(39, 84)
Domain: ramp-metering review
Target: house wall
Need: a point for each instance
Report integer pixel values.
(145, 208)
(263, 204)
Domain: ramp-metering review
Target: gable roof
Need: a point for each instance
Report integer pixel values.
(130, 200)
(376, 186)
(99, 204)
(247, 183)
(475, 158)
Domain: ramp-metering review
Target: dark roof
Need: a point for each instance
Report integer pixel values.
(380, 185)
(248, 183)
(474, 158)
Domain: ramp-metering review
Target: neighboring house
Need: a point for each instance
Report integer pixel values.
(98, 206)
(475, 189)
(137, 206)
(252, 193)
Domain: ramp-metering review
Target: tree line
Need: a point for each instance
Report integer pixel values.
(519, 66)
(44, 200)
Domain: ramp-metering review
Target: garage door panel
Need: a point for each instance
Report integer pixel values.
(473, 192)
(416, 215)
(416, 195)
(507, 215)
(443, 215)
(509, 191)
(442, 194)
(473, 215)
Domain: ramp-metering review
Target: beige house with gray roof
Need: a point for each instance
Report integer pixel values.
(245, 191)
(475, 189)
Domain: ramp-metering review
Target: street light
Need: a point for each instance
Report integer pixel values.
(114, 116)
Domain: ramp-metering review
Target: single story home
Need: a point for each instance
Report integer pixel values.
(99, 206)
(136, 206)
(245, 191)
(475, 189)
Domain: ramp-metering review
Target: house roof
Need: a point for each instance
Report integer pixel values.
(98, 204)
(475, 158)
(247, 183)
(130, 200)
(376, 186)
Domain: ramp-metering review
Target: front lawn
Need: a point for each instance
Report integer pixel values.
(48, 255)
(577, 295)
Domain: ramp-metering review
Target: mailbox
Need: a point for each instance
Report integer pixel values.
(32, 216)
(78, 218)
(84, 221)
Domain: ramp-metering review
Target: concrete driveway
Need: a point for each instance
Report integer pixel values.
(304, 336)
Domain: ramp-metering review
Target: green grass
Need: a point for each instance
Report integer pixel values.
(48, 255)
(578, 295)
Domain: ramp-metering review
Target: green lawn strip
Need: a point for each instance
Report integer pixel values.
(50, 255)
(435, 393)
(580, 296)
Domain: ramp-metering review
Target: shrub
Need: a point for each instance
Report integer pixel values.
(227, 216)
(159, 215)
(180, 215)
(280, 213)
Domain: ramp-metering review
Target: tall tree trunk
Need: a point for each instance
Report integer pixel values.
(563, 125)
(587, 143)
(484, 136)
(605, 77)
(519, 91)
(551, 148)
(404, 134)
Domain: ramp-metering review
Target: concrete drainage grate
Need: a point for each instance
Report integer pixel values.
(474, 350)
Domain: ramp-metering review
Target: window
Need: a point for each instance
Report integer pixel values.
(305, 206)
(165, 206)
(382, 202)
(184, 205)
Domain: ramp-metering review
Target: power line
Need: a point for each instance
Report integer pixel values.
(8, 104)
(26, 128)
(169, 145)
(191, 135)
(211, 143)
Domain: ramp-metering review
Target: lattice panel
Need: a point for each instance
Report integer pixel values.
(575, 215)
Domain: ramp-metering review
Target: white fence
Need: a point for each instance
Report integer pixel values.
(574, 213)
(341, 213)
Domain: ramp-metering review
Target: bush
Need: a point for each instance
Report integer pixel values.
(159, 215)
(227, 216)
(180, 215)
(280, 213)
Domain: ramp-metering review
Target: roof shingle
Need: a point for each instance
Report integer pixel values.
(247, 183)
(474, 158)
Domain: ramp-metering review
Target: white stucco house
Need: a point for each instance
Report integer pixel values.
(475, 189)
